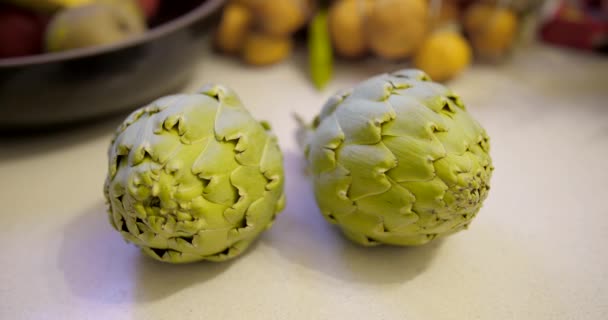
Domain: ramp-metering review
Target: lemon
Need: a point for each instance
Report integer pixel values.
(262, 49)
(492, 29)
(443, 55)
(233, 28)
(396, 28)
(346, 26)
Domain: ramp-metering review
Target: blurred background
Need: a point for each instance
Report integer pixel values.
(110, 54)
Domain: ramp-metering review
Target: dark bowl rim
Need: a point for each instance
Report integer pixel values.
(203, 10)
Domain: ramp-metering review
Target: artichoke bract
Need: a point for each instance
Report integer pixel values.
(194, 177)
(398, 160)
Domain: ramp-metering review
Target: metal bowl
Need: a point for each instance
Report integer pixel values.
(72, 86)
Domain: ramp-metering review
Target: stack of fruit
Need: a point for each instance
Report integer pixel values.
(29, 27)
(439, 36)
(261, 31)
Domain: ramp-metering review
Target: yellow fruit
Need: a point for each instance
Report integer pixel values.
(346, 18)
(233, 28)
(443, 55)
(492, 29)
(280, 18)
(262, 49)
(396, 28)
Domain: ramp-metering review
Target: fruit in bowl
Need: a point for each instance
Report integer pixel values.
(21, 32)
(94, 24)
(72, 24)
(87, 80)
(149, 7)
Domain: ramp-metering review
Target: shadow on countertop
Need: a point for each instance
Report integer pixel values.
(98, 265)
(302, 236)
(30, 142)
(157, 280)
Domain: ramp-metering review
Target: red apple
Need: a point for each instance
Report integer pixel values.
(21, 32)
(150, 7)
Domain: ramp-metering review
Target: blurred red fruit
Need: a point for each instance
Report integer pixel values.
(21, 32)
(150, 7)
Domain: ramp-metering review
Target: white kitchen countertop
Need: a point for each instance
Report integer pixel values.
(537, 250)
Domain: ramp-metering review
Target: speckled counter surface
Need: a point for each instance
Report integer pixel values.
(537, 250)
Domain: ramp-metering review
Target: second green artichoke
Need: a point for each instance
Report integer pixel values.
(194, 177)
(398, 160)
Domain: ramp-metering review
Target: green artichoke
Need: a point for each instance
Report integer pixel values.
(194, 177)
(398, 160)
